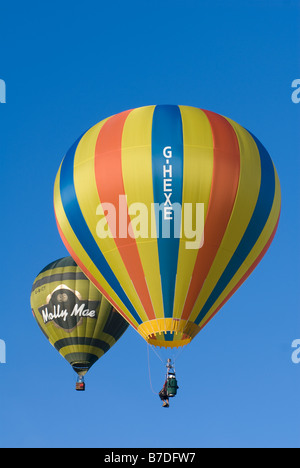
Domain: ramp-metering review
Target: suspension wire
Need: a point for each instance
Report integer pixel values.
(175, 358)
(175, 354)
(155, 393)
(154, 350)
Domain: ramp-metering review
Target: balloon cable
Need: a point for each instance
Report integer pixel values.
(155, 393)
(178, 354)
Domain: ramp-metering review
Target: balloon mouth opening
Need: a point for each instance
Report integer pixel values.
(81, 368)
(168, 344)
(168, 333)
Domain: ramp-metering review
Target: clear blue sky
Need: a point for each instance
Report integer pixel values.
(67, 65)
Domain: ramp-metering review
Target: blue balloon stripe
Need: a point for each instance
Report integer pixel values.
(82, 231)
(255, 227)
(167, 175)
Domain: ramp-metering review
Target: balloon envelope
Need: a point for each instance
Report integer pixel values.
(167, 209)
(75, 317)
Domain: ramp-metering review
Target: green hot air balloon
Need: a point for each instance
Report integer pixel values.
(75, 317)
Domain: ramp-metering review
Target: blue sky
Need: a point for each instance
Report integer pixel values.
(68, 65)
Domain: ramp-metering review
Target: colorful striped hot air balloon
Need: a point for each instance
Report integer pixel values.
(167, 209)
(75, 317)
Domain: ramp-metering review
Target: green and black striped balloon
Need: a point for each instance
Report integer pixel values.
(75, 317)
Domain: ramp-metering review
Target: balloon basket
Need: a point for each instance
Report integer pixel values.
(80, 385)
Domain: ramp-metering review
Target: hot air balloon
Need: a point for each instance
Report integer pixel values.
(167, 209)
(75, 317)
